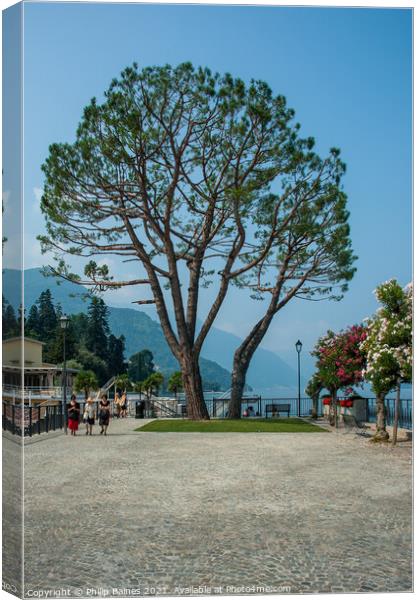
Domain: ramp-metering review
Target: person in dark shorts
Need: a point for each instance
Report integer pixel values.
(124, 405)
(104, 413)
(117, 403)
(73, 415)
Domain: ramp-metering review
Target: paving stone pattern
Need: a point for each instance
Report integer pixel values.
(12, 542)
(164, 513)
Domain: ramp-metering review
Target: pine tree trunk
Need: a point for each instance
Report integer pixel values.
(192, 385)
(396, 414)
(238, 381)
(242, 358)
(381, 433)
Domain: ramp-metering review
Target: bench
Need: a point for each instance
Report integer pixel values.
(277, 408)
(351, 424)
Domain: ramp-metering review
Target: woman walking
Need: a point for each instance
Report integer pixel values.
(123, 405)
(73, 415)
(89, 415)
(117, 403)
(104, 413)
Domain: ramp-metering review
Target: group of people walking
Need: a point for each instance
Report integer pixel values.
(90, 414)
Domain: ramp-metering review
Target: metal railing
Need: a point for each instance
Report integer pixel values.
(405, 412)
(26, 420)
(258, 406)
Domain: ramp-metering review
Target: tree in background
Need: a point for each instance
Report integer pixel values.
(47, 316)
(88, 341)
(86, 381)
(388, 348)
(340, 362)
(153, 383)
(92, 362)
(54, 349)
(313, 390)
(140, 365)
(98, 328)
(175, 383)
(74, 364)
(80, 324)
(168, 171)
(10, 323)
(116, 350)
(123, 382)
(139, 387)
(32, 325)
(42, 323)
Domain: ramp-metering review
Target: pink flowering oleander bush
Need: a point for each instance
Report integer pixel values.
(340, 359)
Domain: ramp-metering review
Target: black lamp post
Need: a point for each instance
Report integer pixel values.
(64, 321)
(298, 347)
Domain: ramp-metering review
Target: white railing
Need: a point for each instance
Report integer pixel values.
(27, 394)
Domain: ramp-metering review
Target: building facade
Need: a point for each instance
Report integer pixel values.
(23, 367)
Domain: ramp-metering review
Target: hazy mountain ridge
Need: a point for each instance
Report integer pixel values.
(141, 331)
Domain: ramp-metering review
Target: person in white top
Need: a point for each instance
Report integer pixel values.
(89, 415)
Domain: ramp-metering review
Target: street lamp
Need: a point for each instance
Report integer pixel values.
(298, 347)
(64, 321)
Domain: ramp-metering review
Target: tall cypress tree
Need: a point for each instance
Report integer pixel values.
(98, 328)
(116, 361)
(47, 316)
(32, 328)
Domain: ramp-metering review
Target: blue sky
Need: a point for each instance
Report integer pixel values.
(346, 72)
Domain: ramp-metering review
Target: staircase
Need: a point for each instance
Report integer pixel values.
(161, 409)
(105, 388)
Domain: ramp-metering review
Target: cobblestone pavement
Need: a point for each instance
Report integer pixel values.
(166, 512)
(12, 480)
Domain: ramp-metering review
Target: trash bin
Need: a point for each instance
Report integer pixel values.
(139, 409)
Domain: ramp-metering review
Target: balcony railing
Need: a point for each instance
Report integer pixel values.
(26, 395)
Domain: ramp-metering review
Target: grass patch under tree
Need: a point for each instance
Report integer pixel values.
(232, 426)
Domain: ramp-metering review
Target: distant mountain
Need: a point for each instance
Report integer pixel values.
(142, 332)
(267, 370)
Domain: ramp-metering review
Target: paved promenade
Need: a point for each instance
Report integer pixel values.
(167, 512)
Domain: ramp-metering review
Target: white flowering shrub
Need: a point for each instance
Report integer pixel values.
(388, 344)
